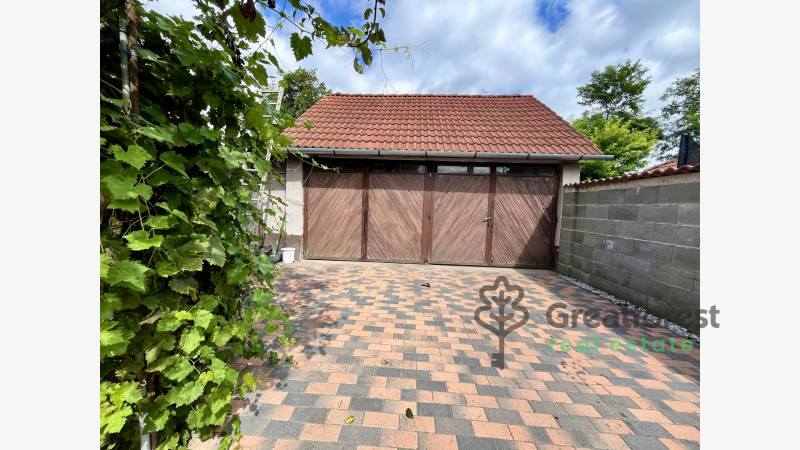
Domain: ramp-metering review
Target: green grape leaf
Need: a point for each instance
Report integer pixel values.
(136, 156)
(132, 273)
(141, 240)
(300, 46)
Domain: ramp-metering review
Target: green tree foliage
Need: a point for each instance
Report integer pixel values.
(180, 286)
(617, 137)
(616, 91)
(301, 89)
(616, 121)
(681, 114)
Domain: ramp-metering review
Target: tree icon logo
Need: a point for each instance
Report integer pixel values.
(501, 296)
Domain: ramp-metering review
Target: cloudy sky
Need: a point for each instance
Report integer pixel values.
(546, 48)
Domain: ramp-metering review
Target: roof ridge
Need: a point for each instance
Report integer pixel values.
(347, 94)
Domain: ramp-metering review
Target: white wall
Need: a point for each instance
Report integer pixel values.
(570, 173)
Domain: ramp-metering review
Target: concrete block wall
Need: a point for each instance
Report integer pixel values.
(639, 241)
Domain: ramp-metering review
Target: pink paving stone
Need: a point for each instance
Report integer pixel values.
(491, 430)
(320, 432)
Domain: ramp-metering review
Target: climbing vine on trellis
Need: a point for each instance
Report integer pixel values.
(180, 284)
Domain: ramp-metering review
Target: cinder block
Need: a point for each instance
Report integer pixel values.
(641, 195)
(683, 299)
(686, 257)
(565, 258)
(579, 275)
(584, 251)
(658, 213)
(570, 197)
(618, 245)
(584, 224)
(580, 211)
(687, 235)
(679, 193)
(593, 240)
(689, 214)
(659, 308)
(622, 212)
(578, 236)
(613, 274)
(653, 251)
(604, 257)
(597, 211)
(672, 275)
(564, 270)
(600, 282)
(567, 222)
(610, 196)
(649, 287)
(587, 197)
(636, 230)
(637, 266)
(607, 227)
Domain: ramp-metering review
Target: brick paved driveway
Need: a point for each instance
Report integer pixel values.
(351, 317)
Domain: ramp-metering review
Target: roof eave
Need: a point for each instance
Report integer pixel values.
(450, 154)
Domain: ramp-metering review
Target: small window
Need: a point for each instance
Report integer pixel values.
(526, 171)
(341, 166)
(463, 170)
(398, 168)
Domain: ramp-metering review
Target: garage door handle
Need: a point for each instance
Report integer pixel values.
(488, 219)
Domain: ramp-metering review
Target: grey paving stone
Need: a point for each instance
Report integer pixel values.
(576, 423)
(493, 391)
(366, 404)
(435, 410)
(353, 390)
(642, 442)
(292, 386)
(647, 429)
(474, 443)
(252, 425)
(428, 385)
(300, 399)
(283, 430)
(310, 415)
(458, 427)
(358, 435)
(551, 408)
(504, 416)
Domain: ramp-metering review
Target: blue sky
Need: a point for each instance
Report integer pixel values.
(546, 48)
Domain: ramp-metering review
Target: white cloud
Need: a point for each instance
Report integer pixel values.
(478, 47)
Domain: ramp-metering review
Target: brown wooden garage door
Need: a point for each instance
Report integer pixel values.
(460, 212)
(523, 223)
(334, 214)
(394, 221)
(437, 213)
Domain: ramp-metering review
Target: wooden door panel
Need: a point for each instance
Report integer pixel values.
(394, 223)
(335, 215)
(460, 205)
(524, 221)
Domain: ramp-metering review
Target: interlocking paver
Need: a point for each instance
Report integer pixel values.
(371, 342)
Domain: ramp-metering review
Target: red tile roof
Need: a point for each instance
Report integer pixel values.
(474, 123)
(660, 170)
(670, 164)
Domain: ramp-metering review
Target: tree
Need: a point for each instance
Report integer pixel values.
(181, 152)
(301, 89)
(681, 114)
(617, 91)
(616, 137)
